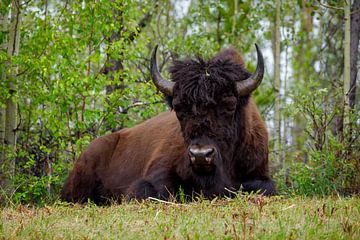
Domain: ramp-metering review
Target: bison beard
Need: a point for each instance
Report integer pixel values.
(214, 141)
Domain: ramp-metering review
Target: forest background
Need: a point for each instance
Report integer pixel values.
(72, 71)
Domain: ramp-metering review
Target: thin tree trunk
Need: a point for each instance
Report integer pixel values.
(2, 139)
(3, 47)
(277, 84)
(285, 121)
(354, 45)
(302, 73)
(233, 29)
(115, 65)
(11, 106)
(347, 32)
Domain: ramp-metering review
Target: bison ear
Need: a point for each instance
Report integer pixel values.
(163, 85)
(245, 87)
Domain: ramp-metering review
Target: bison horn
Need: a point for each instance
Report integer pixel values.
(163, 85)
(245, 87)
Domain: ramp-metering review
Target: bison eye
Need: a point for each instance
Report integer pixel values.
(228, 105)
(228, 110)
(182, 110)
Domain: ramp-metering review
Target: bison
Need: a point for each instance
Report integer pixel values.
(212, 142)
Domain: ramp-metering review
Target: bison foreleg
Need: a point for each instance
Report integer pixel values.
(142, 189)
(160, 185)
(265, 187)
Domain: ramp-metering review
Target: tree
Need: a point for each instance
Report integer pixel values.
(114, 61)
(303, 65)
(347, 63)
(354, 47)
(10, 79)
(351, 44)
(277, 85)
(3, 50)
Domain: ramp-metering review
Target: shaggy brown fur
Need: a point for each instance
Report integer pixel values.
(152, 158)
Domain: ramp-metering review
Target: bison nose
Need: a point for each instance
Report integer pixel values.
(202, 154)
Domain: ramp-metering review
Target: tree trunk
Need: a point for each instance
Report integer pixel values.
(115, 65)
(302, 74)
(10, 104)
(236, 10)
(2, 139)
(354, 45)
(277, 84)
(3, 47)
(346, 76)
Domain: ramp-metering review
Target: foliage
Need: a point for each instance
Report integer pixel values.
(324, 174)
(82, 72)
(332, 165)
(62, 105)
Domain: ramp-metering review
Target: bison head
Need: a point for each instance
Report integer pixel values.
(208, 98)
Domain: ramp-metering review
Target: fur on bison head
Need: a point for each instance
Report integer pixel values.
(206, 103)
(213, 142)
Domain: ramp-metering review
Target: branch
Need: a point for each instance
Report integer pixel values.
(116, 36)
(142, 23)
(136, 104)
(355, 11)
(329, 6)
(25, 3)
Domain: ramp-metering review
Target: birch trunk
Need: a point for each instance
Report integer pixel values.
(347, 41)
(3, 47)
(11, 107)
(277, 84)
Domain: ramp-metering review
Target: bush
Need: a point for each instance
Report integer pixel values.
(331, 163)
(325, 173)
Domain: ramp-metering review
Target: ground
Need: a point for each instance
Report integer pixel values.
(245, 217)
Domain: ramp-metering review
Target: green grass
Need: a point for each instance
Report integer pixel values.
(245, 217)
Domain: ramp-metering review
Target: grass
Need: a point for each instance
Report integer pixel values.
(245, 217)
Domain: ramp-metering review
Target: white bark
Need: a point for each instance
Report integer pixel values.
(11, 106)
(277, 84)
(347, 65)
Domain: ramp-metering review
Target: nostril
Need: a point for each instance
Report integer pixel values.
(209, 152)
(192, 155)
